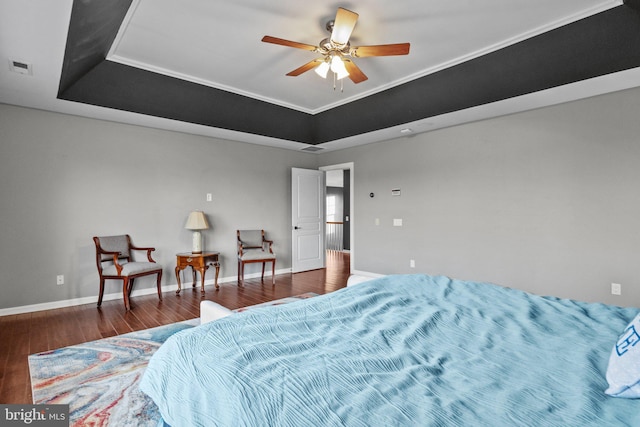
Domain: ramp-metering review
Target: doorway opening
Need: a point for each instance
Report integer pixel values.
(339, 214)
(337, 266)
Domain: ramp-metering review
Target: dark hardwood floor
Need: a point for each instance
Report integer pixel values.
(24, 334)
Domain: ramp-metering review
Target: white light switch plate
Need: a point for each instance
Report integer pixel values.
(616, 289)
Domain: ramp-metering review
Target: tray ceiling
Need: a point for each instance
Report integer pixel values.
(199, 66)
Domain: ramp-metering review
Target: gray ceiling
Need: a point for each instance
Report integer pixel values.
(198, 66)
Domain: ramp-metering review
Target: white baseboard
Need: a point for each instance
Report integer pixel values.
(118, 295)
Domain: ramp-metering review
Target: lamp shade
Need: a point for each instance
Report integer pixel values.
(196, 221)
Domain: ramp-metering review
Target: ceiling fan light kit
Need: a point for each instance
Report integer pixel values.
(338, 67)
(336, 50)
(323, 69)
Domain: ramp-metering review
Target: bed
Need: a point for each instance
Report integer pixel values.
(395, 351)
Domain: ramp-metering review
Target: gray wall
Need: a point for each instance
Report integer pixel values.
(544, 201)
(547, 201)
(64, 179)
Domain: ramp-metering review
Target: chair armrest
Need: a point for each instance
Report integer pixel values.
(149, 250)
(115, 255)
(269, 243)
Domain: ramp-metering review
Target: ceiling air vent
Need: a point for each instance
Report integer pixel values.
(312, 149)
(20, 67)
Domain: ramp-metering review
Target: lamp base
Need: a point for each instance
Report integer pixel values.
(197, 242)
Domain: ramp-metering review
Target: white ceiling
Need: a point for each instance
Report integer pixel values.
(217, 43)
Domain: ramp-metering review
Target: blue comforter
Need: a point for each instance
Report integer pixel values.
(397, 351)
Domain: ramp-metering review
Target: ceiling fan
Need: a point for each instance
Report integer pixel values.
(337, 52)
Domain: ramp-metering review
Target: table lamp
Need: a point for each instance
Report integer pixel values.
(196, 222)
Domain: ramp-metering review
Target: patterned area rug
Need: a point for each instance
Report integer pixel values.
(99, 379)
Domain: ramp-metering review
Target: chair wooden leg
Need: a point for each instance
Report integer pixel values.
(125, 293)
(273, 272)
(130, 288)
(158, 284)
(101, 292)
(241, 273)
(262, 277)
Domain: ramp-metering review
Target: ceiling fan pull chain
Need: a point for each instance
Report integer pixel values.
(334, 81)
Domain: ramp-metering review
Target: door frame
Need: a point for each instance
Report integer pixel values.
(347, 166)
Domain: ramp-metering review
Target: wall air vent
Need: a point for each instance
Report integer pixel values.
(20, 67)
(312, 149)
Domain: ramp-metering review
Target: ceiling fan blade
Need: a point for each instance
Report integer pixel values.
(306, 67)
(343, 26)
(381, 50)
(355, 74)
(289, 43)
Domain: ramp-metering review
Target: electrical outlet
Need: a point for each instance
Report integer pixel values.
(616, 289)
(209, 197)
(412, 263)
(60, 279)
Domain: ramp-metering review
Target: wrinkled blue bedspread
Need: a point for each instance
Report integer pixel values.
(397, 351)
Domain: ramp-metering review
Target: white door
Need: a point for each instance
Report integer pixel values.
(307, 219)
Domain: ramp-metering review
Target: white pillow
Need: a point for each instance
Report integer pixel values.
(210, 311)
(355, 279)
(623, 373)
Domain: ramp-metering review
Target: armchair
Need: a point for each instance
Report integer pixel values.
(253, 247)
(115, 251)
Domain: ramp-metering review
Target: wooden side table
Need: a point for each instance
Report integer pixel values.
(197, 262)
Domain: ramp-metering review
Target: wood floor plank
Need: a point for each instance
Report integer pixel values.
(16, 384)
(38, 332)
(5, 333)
(30, 333)
(61, 333)
(87, 316)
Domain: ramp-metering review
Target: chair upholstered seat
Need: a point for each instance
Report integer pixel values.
(254, 247)
(115, 262)
(256, 254)
(131, 268)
